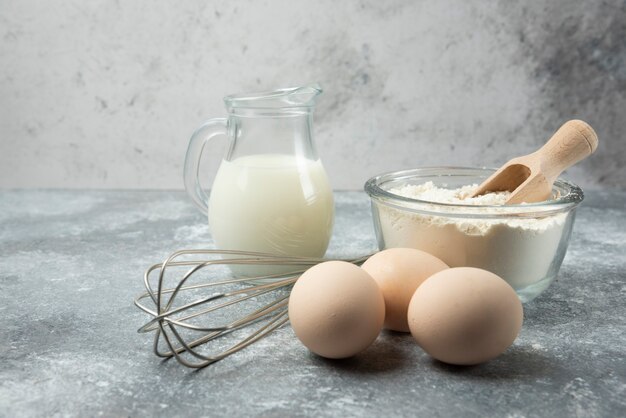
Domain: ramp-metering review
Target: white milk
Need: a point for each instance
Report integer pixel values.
(272, 203)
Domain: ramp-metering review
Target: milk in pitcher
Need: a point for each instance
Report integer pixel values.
(274, 203)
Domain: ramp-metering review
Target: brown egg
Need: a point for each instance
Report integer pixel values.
(398, 272)
(465, 315)
(336, 309)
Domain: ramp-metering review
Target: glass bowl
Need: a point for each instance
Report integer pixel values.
(524, 244)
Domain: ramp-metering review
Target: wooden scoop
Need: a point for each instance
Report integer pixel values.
(530, 177)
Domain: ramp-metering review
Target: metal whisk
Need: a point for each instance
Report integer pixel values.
(187, 300)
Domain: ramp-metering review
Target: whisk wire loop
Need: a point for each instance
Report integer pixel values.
(180, 327)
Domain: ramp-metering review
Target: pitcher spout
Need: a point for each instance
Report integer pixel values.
(303, 96)
(291, 97)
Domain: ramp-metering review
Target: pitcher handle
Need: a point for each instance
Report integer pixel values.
(206, 132)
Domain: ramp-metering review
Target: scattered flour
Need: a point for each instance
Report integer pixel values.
(520, 250)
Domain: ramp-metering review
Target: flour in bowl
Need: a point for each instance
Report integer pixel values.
(431, 193)
(521, 250)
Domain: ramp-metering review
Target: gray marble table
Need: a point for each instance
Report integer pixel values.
(71, 263)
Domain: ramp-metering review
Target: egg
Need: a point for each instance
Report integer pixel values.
(336, 309)
(465, 315)
(398, 272)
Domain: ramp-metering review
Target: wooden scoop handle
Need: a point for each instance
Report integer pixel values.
(574, 141)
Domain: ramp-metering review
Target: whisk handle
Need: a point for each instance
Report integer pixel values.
(209, 130)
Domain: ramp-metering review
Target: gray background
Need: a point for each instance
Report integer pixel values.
(105, 94)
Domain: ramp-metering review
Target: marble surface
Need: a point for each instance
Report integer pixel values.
(72, 262)
(106, 94)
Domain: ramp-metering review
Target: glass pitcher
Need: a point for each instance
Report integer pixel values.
(271, 193)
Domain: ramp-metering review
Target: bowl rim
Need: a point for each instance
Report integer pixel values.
(563, 203)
